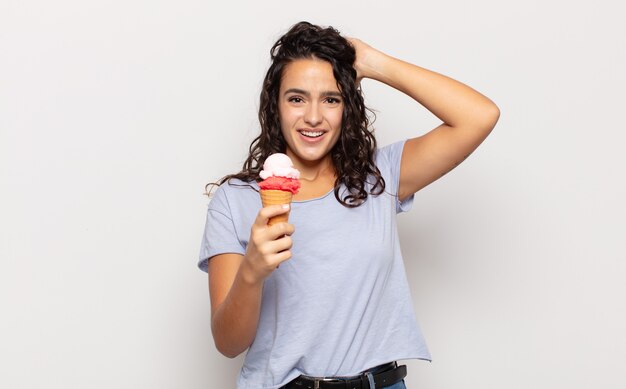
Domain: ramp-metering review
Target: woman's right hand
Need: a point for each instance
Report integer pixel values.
(236, 282)
(269, 246)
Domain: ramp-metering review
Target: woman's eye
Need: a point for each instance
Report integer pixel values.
(295, 100)
(333, 100)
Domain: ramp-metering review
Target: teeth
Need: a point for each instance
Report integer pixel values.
(312, 134)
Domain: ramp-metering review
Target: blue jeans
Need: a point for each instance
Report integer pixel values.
(397, 385)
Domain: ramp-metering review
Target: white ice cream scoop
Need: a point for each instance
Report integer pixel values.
(279, 165)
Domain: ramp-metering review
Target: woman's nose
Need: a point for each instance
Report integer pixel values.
(313, 115)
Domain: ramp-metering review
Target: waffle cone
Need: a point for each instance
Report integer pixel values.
(272, 197)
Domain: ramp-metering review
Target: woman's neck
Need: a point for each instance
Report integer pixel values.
(317, 178)
(314, 171)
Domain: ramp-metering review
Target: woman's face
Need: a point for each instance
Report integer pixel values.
(310, 108)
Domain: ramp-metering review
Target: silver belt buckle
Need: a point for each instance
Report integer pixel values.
(316, 382)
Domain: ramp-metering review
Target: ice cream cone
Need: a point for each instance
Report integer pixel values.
(272, 197)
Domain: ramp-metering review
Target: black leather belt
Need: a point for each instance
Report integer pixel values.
(383, 378)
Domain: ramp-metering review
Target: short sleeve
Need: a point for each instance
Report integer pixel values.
(388, 159)
(220, 235)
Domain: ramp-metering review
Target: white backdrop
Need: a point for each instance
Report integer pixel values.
(113, 116)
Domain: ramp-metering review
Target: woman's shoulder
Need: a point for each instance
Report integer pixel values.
(389, 156)
(233, 191)
(236, 184)
(233, 187)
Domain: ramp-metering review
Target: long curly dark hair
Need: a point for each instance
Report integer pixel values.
(353, 154)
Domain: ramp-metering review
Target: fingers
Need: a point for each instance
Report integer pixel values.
(273, 238)
(278, 246)
(271, 261)
(265, 255)
(270, 211)
(269, 246)
(275, 231)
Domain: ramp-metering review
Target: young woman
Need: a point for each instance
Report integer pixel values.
(323, 301)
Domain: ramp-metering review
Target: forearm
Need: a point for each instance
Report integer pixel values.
(453, 102)
(236, 281)
(235, 321)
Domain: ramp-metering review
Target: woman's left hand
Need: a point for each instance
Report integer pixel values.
(365, 54)
(467, 116)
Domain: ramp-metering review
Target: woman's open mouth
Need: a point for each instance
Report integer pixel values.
(312, 134)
